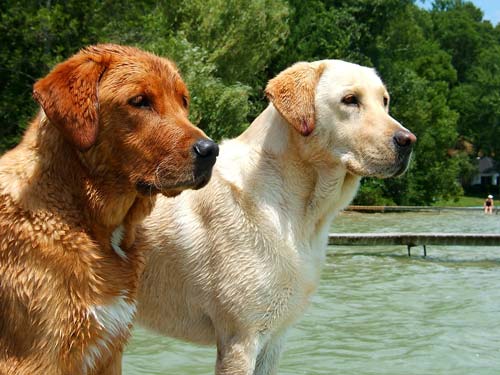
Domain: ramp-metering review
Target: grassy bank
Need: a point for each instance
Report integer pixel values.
(465, 201)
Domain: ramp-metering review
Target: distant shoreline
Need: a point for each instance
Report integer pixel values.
(383, 209)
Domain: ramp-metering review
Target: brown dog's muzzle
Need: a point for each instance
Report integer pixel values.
(168, 181)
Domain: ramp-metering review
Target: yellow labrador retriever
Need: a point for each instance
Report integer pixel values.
(235, 264)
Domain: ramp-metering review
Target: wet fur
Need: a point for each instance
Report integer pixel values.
(68, 203)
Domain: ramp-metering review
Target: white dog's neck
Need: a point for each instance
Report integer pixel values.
(325, 186)
(268, 132)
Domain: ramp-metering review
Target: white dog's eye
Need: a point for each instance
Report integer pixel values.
(386, 101)
(350, 100)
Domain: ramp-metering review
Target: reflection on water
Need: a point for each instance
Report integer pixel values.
(379, 312)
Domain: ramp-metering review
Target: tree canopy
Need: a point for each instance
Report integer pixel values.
(441, 66)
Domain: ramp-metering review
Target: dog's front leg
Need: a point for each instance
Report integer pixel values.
(114, 365)
(236, 355)
(269, 357)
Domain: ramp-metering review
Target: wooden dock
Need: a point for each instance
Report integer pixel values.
(413, 239)
(384, 209)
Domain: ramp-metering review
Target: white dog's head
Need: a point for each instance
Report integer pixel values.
(342, 112)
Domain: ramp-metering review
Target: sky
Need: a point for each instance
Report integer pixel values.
(490, 8)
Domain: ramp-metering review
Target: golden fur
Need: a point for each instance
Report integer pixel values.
(112, 132)
(235, 263)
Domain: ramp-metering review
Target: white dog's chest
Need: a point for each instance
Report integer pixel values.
(291, 288)
(310, 272)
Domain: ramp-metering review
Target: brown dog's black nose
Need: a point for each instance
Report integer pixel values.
(206, 148)
(206, 152)
(404, 139)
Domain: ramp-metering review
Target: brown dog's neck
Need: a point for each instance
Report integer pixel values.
(48, 172)
(42, 170)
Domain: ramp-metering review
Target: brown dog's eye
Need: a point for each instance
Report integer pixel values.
(185, 101)
(140, 101)
(386, 101)
(350, 100)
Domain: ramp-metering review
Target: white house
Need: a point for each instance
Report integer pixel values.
(487, 172)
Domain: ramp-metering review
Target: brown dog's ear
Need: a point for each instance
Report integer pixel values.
(292, 94)
(68, 96)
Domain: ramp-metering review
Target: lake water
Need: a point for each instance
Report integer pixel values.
(379, 312)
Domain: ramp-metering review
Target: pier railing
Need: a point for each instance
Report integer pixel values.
(413, 239)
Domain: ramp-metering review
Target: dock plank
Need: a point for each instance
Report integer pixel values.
(413, 239)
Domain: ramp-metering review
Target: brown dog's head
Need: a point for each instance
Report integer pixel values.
(341, 111)
(125, 111)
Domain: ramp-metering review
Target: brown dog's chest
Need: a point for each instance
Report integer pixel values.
(63, 295)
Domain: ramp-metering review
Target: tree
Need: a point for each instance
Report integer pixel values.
(419, 75)
(459, 29)
(396, 38)
(441, 66)
(318, 31)
(35, 36)
(222, 49)
(478, 102)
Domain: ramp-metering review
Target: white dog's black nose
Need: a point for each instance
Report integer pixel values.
(404, 140)
(205, 148)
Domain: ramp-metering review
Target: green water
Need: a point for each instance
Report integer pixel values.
(379, 312)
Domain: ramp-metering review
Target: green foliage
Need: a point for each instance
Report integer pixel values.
(442, 67)
(478, 102)
(318, 32)
(34, 38)
(418, 74)
(458, 28)
(373, 192)
(221, 47)
(463, 201)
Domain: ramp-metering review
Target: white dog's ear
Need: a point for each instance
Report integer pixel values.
(292, 94)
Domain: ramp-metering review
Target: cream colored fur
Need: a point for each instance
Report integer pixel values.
(235, 264)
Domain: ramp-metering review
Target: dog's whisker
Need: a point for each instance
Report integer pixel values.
(156, 180)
